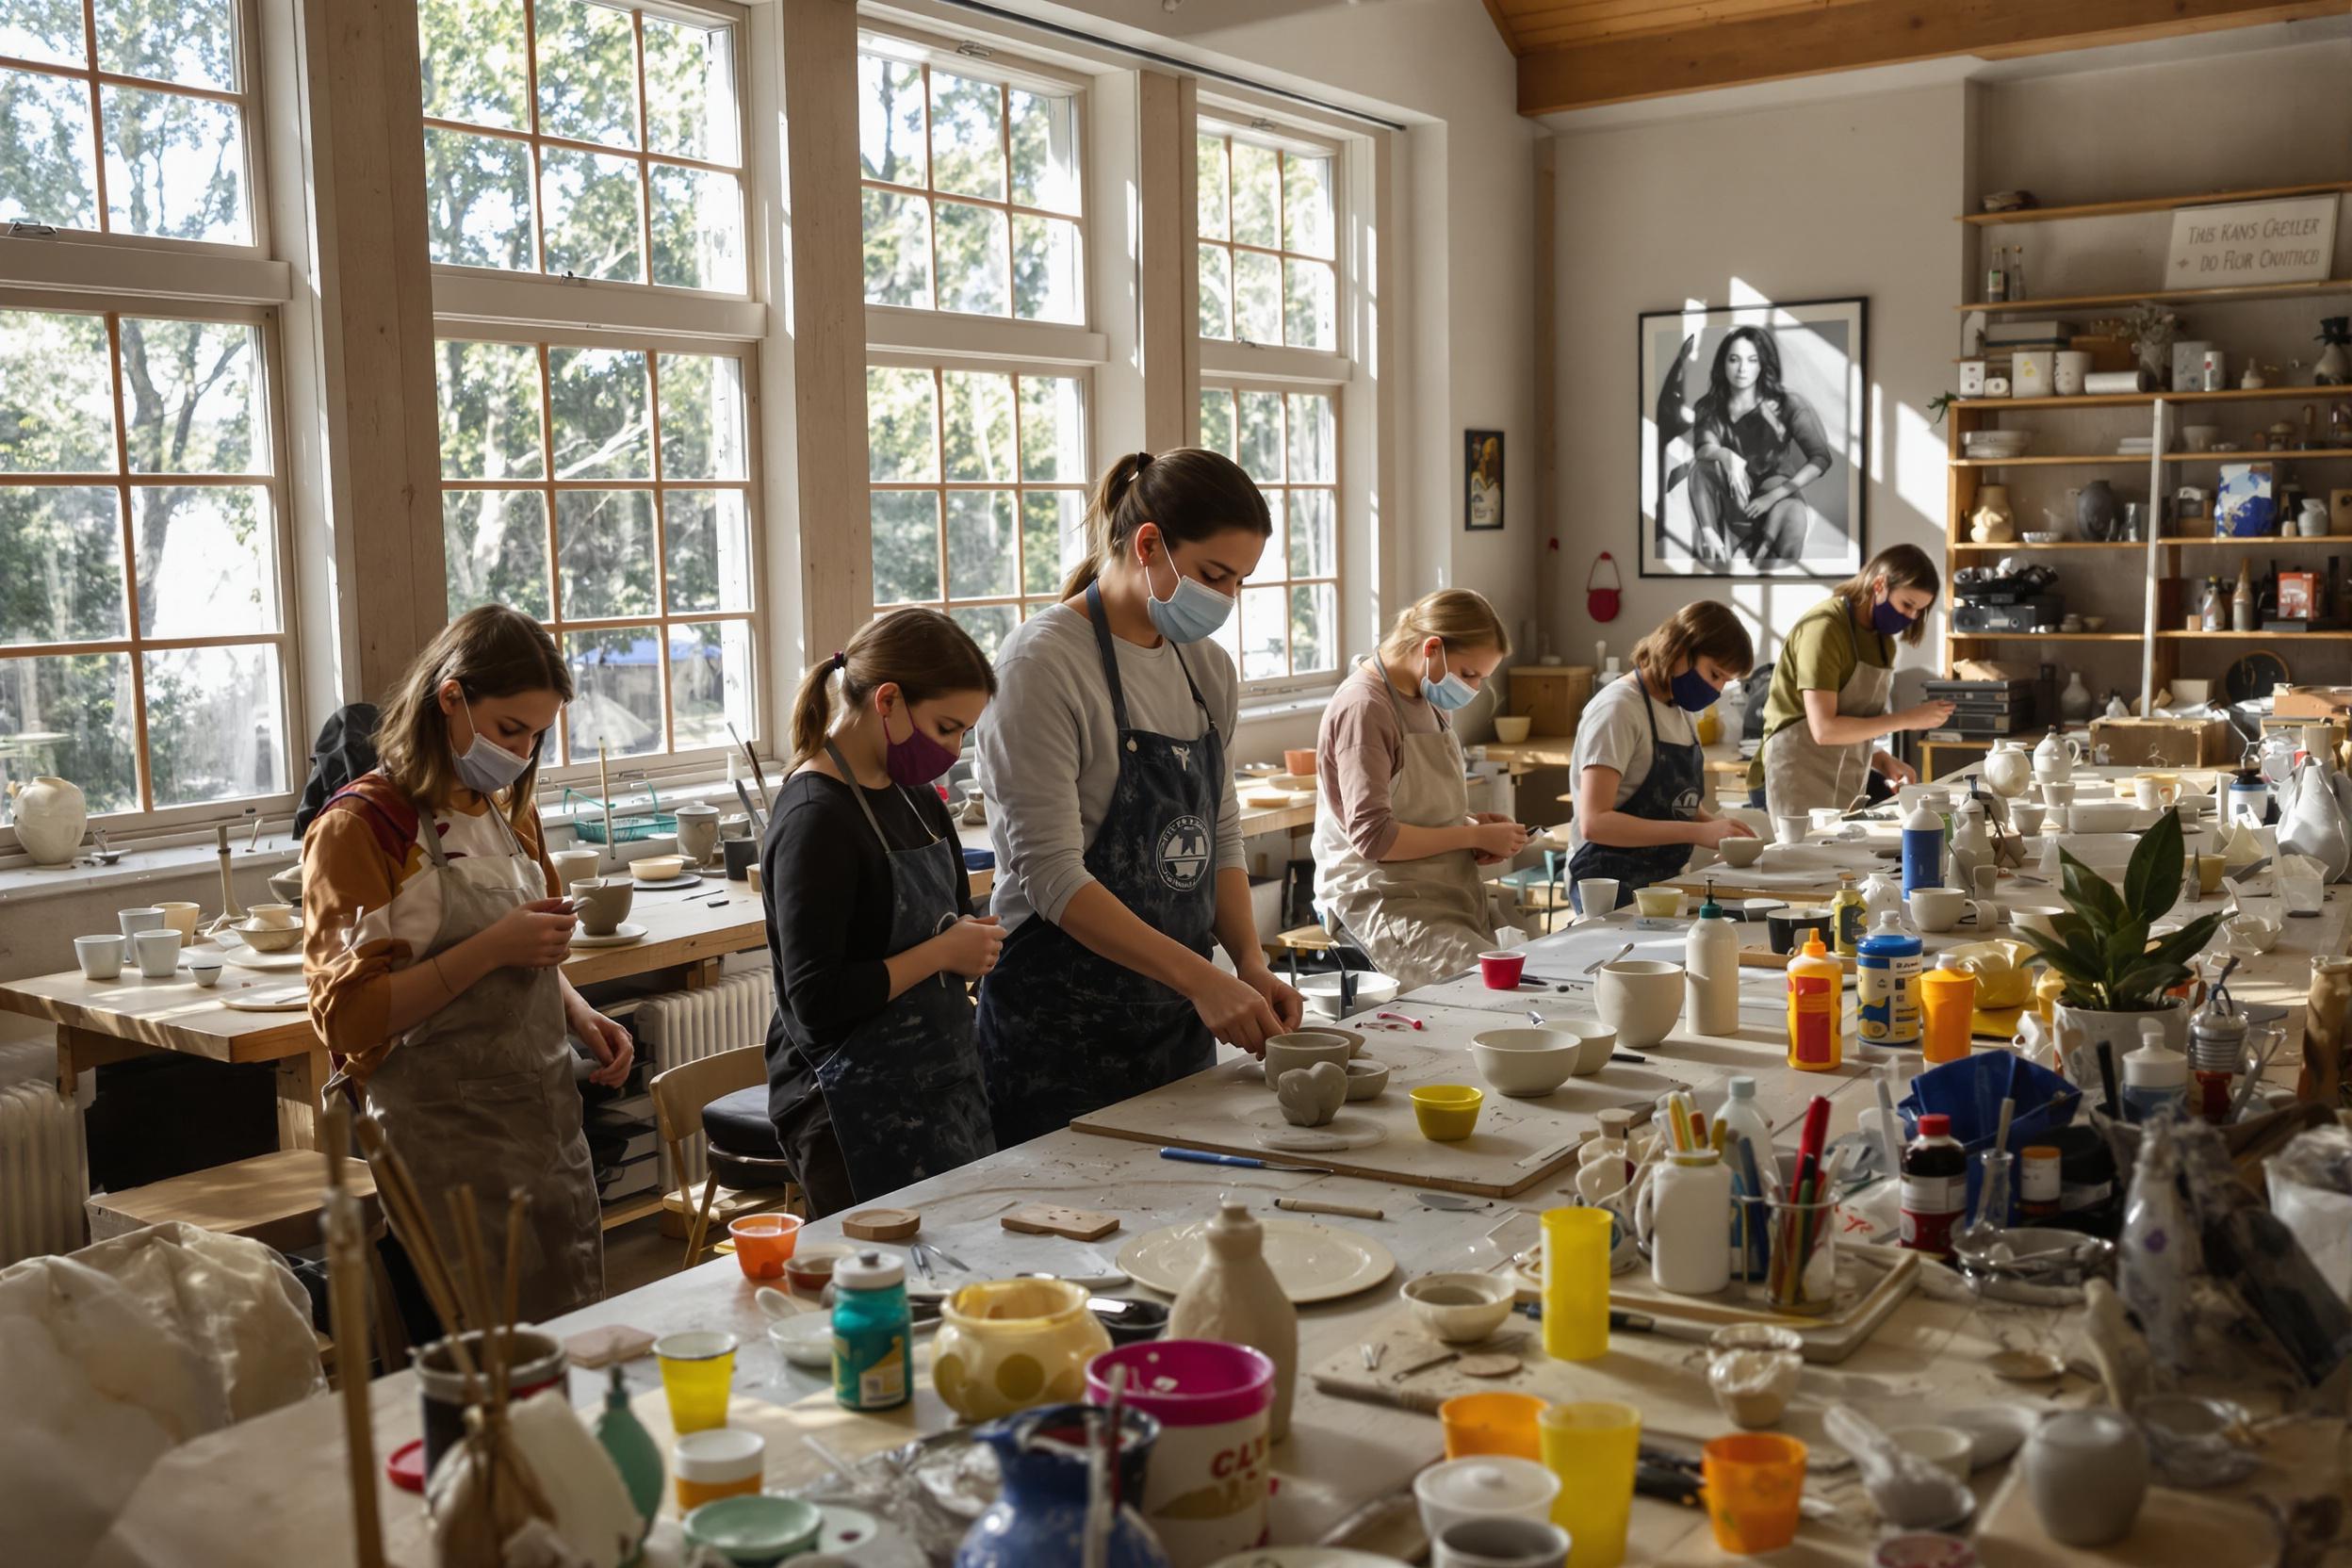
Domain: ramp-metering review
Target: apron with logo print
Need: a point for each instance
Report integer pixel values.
(1063, 1030)
(1417, 920)
(1672, 790)
(903, 1090)
(1801, 774)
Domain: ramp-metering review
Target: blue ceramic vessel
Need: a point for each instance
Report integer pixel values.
(1040, 1511)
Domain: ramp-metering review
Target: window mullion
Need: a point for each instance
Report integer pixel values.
(97, 128)
(660, 547)
(1021, 497)
(645, 168)
(131, 619)
(531, 124)
(938, 450)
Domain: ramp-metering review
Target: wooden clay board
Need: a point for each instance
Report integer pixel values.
(1865, 1296)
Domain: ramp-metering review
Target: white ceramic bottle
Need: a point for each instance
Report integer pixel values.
(1970, 845)
(50, 817)
(1234, 1297)
(1711, 997)
(1686, 1214)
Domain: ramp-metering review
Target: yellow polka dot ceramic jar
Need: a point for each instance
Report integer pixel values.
(1006, 1345)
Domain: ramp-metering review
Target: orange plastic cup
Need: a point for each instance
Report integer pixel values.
(1491, 1424)
(1948, 1009)
(763, 1242)
(1754, 1483)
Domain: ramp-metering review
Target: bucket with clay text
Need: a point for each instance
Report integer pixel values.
(1206, 1493)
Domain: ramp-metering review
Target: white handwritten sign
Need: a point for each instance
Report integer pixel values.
(2253, 243)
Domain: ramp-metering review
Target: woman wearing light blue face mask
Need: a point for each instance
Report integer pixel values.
(1112, 808)
(1640, 777)
(1397, 847)
(433, 933)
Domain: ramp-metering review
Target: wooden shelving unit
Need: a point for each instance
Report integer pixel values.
(2167, 468)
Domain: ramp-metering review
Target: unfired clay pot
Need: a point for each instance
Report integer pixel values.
(49, 815)
(1311, 1096)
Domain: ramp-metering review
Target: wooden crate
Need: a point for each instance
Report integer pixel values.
(1553, 695)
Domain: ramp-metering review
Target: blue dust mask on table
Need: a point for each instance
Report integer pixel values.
(1692, 692)
(486, 767)
(1448, 693)
(1190, 613)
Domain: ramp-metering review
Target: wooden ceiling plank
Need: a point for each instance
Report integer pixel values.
(1638, 20)
(1867, 33)
(1500, 12)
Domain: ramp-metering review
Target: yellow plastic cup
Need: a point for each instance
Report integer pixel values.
(1590, 1445)
(1491, 1424)
(698, 1369)
(1575, 1283)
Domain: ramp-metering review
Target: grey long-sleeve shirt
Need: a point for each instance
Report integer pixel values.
(1049, 752)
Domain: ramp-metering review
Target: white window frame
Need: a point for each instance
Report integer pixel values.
(112, 274)
(1241, 356)
(1275, 688)
(550, 311)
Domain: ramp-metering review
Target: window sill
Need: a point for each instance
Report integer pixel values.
(21, 881)
(1285, 705)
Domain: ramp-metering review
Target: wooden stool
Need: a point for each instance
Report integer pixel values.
(275, 1198)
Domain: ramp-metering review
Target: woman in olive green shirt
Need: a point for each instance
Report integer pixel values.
(1827, 708)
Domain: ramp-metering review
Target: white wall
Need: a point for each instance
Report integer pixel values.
(1856, 196)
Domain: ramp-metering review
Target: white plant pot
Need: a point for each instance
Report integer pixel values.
(2120, 1031)
(50, 816)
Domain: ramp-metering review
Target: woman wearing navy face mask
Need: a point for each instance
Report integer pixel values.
(1640, 777)
(1827, 710)
(1112, 808)
(873, 1082)
(1396, 846)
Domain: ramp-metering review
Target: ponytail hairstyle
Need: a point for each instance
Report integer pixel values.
(1191, 493)
(1701, 628)
(490, 651)
(1462, 619)
(1904, 567)
(922, 653)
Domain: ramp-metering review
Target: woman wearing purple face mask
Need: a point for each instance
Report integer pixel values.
(1827, 710)
(874, 1081)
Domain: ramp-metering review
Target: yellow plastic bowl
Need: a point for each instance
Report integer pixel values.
(1447, 1111)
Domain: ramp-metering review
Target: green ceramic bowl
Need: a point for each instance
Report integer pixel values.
(755, 1530)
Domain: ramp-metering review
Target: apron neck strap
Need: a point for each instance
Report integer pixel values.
(1380, 672)
(429, 833)
(857, 793)
(1110, 662)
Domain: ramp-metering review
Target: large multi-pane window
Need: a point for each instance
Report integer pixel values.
(1268, 229)
(978, 498)
(1287, 441)
(125, 116)
(142, 625)
(584, 140)
(971, 189)
(607, 491)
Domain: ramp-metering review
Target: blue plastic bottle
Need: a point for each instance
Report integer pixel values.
(1923, 849)
(1886, 980)
(873, 1334)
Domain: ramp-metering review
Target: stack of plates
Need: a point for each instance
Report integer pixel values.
(2136, 446)
(1998, 443)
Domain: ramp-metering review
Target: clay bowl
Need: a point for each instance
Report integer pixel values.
(269, 938)
(1740, 853)
(1460, 1309)
(1525, 1062)
(1288, 1052)
(1367, 1078)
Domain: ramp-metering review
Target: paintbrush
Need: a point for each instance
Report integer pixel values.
(759, 823)
(758, 772)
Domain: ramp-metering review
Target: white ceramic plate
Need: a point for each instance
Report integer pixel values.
(245, 957)
(686, 879)
(266, 999)
(1312, 1262)
(621, 935)
(1305, 1557)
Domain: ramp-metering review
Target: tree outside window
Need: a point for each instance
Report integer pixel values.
(1267, 224)
(1288, 443)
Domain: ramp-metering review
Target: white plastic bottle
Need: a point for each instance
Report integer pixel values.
(1711, 1003)
(1742, 1115)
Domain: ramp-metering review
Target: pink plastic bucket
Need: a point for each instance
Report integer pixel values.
(1206, 1492)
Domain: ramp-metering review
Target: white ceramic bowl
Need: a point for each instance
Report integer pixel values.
(804, 1340)
(1740, 852)
(1511, 729)
(269, 938)
(1460, 1309)
(1640, 999)
(1525, 1062)
(1321, 993)
(658, 867)
(1948, 1449)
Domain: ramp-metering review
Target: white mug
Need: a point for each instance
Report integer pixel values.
(157, 952)
(1937, 910)
(1597, 894)
(2071, 367)
(1790, 830)
(1501, 1543)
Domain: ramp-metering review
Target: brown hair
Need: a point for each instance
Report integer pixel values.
(1701, 628)
(1462, 619)
(1191, 493)
(1904, 566)
(490, 651)
(922, 653)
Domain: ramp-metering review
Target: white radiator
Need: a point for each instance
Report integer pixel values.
(45, 1174)
(685, 1027)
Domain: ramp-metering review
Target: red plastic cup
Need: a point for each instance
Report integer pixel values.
(1501, 969)
(763, 1243)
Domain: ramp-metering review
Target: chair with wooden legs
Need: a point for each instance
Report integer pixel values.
(726, 1098)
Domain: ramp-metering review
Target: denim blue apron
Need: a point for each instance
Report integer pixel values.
(1063, 1030)
(903, 1090)
(1672, 790)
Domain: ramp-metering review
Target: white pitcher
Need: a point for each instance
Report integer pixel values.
(2009, 769)
(2055, 758)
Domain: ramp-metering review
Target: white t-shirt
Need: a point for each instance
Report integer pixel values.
(1614, 732)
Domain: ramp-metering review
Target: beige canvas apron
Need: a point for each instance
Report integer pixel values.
(1799, 773)
(1417, 919)
(481, 1094)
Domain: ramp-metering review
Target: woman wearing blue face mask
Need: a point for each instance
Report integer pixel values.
(1397, 847)
(873, 1082)
(434, 930)
(1640, 777)
(1826, 712)
(1112, 808)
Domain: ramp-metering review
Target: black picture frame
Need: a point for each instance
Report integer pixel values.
(1482, 481)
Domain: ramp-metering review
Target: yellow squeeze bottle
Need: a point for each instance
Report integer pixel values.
(1816, 984)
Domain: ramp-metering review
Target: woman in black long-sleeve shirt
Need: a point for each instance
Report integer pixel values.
(873, 1078)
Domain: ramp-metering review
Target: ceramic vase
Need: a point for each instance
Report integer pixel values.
(1234, 1297)
(2095, 511)
(634, 1455)
(1006, 1345)
(49, 816)
(2009, 770)
(1993, 522)
(2334, 365)
(2075, 702)
(2312, 823)
(2312, 522)
(1971, 846)
(2087, 1470)
(1039, 1516)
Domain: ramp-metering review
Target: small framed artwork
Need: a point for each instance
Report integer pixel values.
(1753, 422)
(1482, 478)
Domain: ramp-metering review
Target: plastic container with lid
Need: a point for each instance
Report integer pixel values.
(2041, 1182)
(1846, 919)
(717, 1461)
(1711, 972)
(1742, 1115)
(1887, 981)
(872, 1331)
(1935, 1186)
(1922, 848)
(2155, 1082)
(1484, 1486)
(1817, 985)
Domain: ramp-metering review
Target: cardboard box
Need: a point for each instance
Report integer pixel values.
(1553, 695)
(2310, 702)
(2173, 742)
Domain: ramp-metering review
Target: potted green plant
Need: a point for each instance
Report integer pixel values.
(2115, 973)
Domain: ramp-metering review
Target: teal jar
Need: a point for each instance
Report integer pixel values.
(872, 1333)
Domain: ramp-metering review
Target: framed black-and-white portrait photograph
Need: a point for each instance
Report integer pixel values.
(1754, 427)
(1482, 478)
